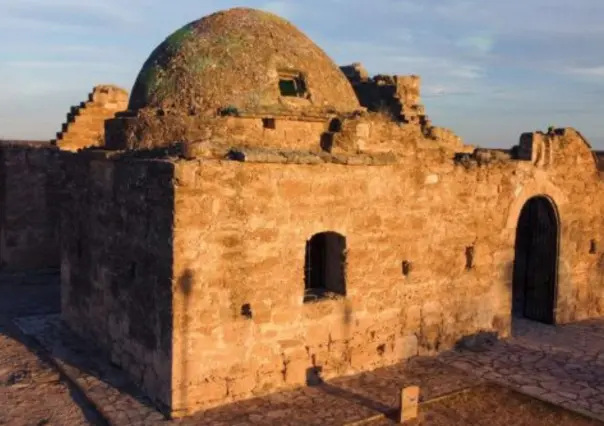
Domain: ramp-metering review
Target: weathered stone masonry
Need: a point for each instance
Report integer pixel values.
(32, 177)
(426, 212)
(30, 182)
(187, 238)
(116, 266)
(85, 122)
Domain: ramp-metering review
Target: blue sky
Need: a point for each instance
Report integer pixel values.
(490, 69)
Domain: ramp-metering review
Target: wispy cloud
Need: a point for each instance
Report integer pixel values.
(477, 44)
(486, 67)
(31, 48)
(17, 23)
(596, 72)
(44, 65)
(471, 72)
(439, 90)
(61, 10)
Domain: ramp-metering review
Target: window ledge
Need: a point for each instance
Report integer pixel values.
(316, 296)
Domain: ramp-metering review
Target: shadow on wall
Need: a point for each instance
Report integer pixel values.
(185, 286)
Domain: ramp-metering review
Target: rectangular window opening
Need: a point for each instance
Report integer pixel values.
(292, 84)
(325, 267)
(269, 123)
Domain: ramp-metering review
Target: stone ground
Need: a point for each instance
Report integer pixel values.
(563, 365)
(342, 401)
(492, 405)
(32, 392)
(39, 358)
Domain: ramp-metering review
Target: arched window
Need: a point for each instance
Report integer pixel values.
(325, 265)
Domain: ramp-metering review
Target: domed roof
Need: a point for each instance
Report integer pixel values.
(245, 60)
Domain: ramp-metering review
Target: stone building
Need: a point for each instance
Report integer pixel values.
(259, 219)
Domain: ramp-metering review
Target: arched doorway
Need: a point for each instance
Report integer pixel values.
(536, 261)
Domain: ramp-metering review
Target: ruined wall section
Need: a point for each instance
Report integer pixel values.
(85, 125)
(394, 112)
(362, 133)
(599, 156)
(567, 159)
(30, 181)
(398, 96)
(560, 165)
(116, 230)
(150, 132)
(378, 133)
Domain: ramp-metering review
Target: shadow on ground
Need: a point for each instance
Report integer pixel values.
(28, 370)
(341, 400)
(335, 402)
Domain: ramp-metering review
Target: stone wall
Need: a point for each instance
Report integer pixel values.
(30, 182)
(85, 125)
(384, 99)
(397, 96)
(599, 159)
(143, 132)
(240, 325)
(116, 265)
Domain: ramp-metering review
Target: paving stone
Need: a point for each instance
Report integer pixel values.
(342, 400)
(560, 364)
(38, 395)
(568, 395)
(533, 390)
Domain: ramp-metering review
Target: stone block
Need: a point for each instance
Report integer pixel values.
(265, 382)
(208, 390)
(405, 346)
(431, 179)
(265, 357)
(409, 403)
(363, 358)
(296, 371)
(316, 334)
(241, 386)
(285, 317)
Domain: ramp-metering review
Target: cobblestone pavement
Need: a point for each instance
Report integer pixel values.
(563, 365)
(31, 391)
(37, 396)
(341, 400)
(491, 405)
